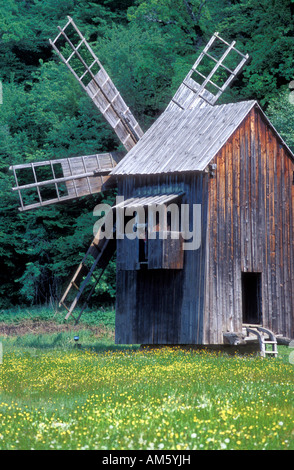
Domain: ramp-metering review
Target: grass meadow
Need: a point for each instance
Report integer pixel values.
(104, 396)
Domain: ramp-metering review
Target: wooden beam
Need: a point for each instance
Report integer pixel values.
(61, 180)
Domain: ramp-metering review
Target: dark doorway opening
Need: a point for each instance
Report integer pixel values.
(251, 298)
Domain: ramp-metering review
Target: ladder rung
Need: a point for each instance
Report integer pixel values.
(221, 65)
(104, 83)
(190, 87)
(119, 121)
(94, 62)
(126, 139)
(199, 73)
(87, 267)
(115, 97)
(87, 69)
(62, 30)
(69, 312)
(74, 51)
(63, 304)
(74, 284)
(83, 75)
(207, 80)
(96, 94)
(107, 108)
(177, 103)
(232, 46)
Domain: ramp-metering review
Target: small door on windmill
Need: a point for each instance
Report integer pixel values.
(166, 251)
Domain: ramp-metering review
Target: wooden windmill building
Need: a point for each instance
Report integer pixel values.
(230, 161)
(221, 169)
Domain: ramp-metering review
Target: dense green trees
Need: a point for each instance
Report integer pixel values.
(147, 47)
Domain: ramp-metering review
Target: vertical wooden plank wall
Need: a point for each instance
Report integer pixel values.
(250, 229)
(164, 306)
(247, 226)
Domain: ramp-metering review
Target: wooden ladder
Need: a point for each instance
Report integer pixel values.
(265, 337)
(97, 257)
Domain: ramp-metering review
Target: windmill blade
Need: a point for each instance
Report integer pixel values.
(92, 76)
(43, 183)
(211, 74)
(92, 266)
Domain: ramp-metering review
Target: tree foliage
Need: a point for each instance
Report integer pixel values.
(147, 46)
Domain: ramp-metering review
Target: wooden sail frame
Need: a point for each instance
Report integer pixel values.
(81, 176)
(100, 87)
(191, 93)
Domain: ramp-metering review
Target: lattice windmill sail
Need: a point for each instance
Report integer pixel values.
(61, 180)
(92, 76)
(42, 183)
(39, 184)
(198, 88)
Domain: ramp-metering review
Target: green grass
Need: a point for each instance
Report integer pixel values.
(17, 315)
(104, 396)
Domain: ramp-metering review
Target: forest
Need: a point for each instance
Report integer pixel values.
(147, 47)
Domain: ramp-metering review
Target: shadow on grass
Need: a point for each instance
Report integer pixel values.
(63, 342)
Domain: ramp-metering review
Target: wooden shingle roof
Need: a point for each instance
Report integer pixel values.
(184, 140)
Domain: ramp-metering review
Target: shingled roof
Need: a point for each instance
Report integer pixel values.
(184, 140)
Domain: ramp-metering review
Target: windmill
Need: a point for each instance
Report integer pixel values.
(56, 181)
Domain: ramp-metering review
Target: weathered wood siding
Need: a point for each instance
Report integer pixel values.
(163, 306)
(247, 226)
(250, 229)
